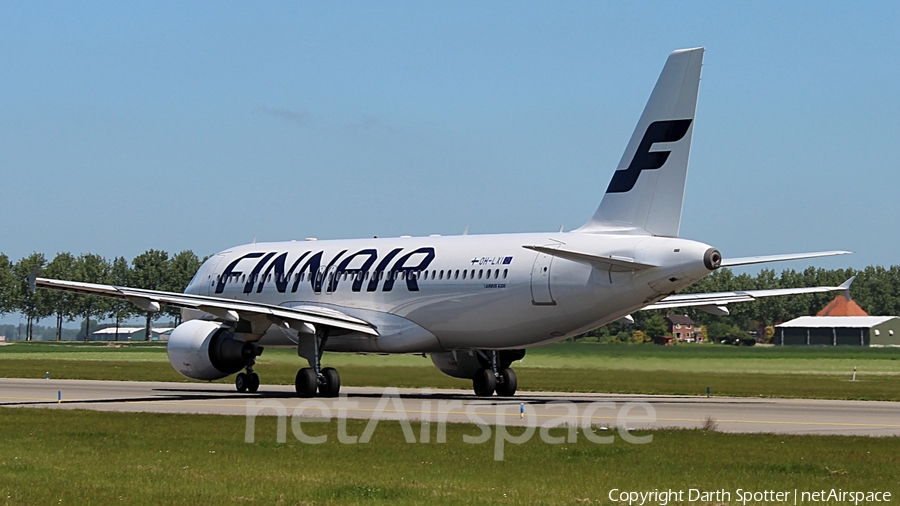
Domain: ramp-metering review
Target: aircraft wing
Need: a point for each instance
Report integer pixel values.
(716, 303)
(226, 309)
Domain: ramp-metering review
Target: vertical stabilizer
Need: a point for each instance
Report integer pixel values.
(646, 193)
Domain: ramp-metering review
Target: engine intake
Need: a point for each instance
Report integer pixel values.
(207, 350)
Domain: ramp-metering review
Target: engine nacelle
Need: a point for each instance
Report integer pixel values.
(206, 350)
(459, 364)
(465, 364)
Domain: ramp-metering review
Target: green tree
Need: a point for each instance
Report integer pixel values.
(655, 326)
(181, 271)
(638, 337)
(64, 304)
(29, 303)
(120, 275)
(722, 332)
(91, 268)
(8, 286)
(150, 270)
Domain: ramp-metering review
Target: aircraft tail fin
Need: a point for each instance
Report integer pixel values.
(646, 193)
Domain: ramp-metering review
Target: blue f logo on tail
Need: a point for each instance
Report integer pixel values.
(658, 131)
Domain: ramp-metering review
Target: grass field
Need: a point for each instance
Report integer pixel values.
(573, 367)
(87, 457)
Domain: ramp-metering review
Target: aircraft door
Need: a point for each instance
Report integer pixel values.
(330, 281)
(319, 281)
(540, 279)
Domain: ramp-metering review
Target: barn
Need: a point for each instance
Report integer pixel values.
(839, 331)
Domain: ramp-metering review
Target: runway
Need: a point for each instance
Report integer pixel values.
(730, 414)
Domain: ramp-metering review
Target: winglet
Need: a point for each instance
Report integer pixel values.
(32, 279)
(845, 287)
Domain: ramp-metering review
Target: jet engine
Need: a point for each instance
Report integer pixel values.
(206, 350)
(466, 364)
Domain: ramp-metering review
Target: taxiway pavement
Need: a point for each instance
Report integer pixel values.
(730, 414)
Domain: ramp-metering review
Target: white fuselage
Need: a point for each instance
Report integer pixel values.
(432, 294)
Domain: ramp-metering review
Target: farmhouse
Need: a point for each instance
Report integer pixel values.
(681, 327)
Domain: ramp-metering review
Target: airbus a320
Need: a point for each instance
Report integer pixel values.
(473, 303)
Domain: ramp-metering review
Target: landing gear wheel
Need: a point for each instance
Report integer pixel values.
(508, 383)
(242, 382)
(306, 382)
(252, 382)
(484, 383)
(331, 383)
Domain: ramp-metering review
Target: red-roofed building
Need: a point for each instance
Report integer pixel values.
(842, 306)
(681, 327)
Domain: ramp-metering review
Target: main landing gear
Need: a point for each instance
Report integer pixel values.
(495, 379)
(247, 382)
(326, 381)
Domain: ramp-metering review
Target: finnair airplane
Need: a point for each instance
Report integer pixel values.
(474, 303)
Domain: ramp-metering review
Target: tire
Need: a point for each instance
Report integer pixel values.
(332, 384)
(507, 387)
(484, 383)
(306, 383)
(253, 382)
(241, 382)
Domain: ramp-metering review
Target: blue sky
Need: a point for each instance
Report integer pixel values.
(127, 126)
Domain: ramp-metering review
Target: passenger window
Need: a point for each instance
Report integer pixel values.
(480, 271)
(464, 274)
(456, 274)
(496, 273)
(441, 275)
(504, 273)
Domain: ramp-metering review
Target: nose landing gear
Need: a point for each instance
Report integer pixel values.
(249, 381)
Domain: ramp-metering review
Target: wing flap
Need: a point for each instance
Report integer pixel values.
(226, 309)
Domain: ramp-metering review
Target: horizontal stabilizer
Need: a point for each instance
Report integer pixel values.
(614, 264)
(719, 300)
(733, 262)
